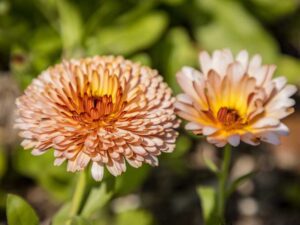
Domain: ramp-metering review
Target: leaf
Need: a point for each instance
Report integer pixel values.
(142, 58)
(45, 41)
(272, 10)
(128, 38)
(233, 27)
(104, 14)
(289, 67)
(97, 198)
(237, 182)
(80, 221)
(174, 52)
(173, 2)
(71, 26)
(19, 212)
(62, 216)
(208, 201)
(134, 217)
(140, 9)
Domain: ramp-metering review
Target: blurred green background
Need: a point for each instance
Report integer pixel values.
(166, 35)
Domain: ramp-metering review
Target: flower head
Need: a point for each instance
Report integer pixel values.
(234, 99)
(102, 110)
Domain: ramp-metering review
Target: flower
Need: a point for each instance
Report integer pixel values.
(102, 110)
(234, 99)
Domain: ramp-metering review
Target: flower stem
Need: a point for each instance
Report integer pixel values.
(78, 195)
(223, 180)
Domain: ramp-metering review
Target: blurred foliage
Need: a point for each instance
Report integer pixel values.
(134, 217)
(164, 34)
(238, 30)
(20, 212)
(2, 162)
(209, 204)
(56, 180)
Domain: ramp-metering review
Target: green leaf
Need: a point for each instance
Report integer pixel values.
(173, 2)
(135, 217)
(80, 221)
(19, 212)
(289, 67)
(174, 52)
(45, 41)
(272, 10)
(128, 38)
(71, 26)
(236, 183)
(97, 198)
(233, 27)
(208, 201)
(62, 216)
(142, 58)
(104, 14)
(138, 11)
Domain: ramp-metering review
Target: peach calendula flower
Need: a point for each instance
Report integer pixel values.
(234, 99)
(103, 110)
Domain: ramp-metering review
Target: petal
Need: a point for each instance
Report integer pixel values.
(254, 64)
(116, 167)
(250, 139)
(97, 171)
(151, 160)
(134, 162)
(59, 161)
(266, 122)
(193, 126)
(279, 82)
(205, 62)
(234, 140)
(209, 130)
(37, 152)
(185, 78)
(221, 60)
(82, 159)
(282, 129)
(185, 99)
(243, 58)
(270, 137)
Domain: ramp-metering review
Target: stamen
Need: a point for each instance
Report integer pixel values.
(230, 118)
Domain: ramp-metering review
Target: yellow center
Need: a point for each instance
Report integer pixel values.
(105, 85)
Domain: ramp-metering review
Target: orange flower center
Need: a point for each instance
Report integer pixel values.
(99, 108)
(229, 118)
(100, 101)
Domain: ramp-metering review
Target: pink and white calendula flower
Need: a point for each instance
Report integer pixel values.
(101, 110)
(234, 99)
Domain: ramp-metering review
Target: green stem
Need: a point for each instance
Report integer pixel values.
(78, 195)
(223, 179)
